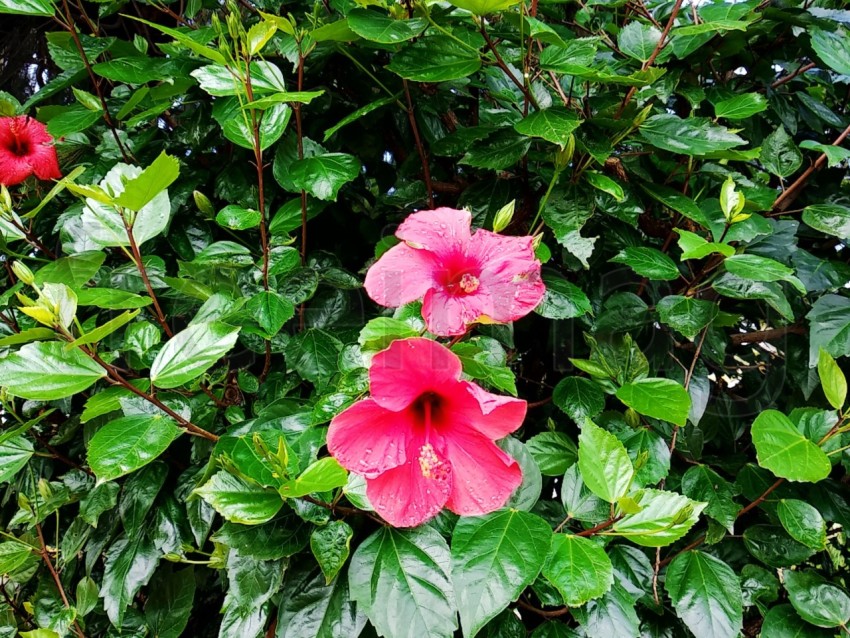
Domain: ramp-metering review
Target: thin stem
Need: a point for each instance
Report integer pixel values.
(45, 556)
(299, 130)
(423, 157)
(32, 239)
(140, 265)
(787, 78)
(501, 63)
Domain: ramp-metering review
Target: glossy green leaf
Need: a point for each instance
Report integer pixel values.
(239, 501)
(832, 219)
(554, 125)
(323, 175)
(331, 545)
(124, 445)
(664, 517)
(648, 262)
(692, 136)
(435, 59)
(378, 27)
(579, 568)
(190, 352)
(46, 371)
(803, 522)
(578, 397)
(657, 398)
(783, 450)
(686, 314)
(817, 601)
(603, 462)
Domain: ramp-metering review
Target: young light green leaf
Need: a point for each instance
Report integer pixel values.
(579, 568)
(657, 398)
(603, 462)
(124, 445)
(46, 371)
(832, 380)
(782, 449)
(190, 352)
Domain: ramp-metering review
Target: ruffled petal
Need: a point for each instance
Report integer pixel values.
(443, 231)
(404, 496)
(13, 168)
(410, 368)
(368, 439)
(483, 476)
(402, 274)
(493, 415)
(510, 275)
(448, 315)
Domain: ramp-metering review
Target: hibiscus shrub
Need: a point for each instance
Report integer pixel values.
(490, 318)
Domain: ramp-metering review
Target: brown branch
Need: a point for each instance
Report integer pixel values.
(662, 42)
(501, 64)
(34, 241)
(598, 528)
(106, 116)
(793, 191)
(543, 613)
(766, 335)
(787, 78)
(299, 132)
(45, 556)
(760, 499)
(423, 157)
(140, 266)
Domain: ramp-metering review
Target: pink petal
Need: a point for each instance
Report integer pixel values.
(483, 476)
(402, 274)
(510, 275)
(408, 369)
(13, 169)
(442, 231)
(493, 415)
(368, 439)
(448, 315)
(404, 497)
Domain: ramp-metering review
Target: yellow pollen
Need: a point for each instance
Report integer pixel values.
(469, 283)
(432, 467)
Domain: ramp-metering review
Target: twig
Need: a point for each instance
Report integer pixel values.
(140, 265)
(81, 50)
(543, 613)
(501, 63)
(787, 78)
(598, 528)
(760, 499)
(299, 131)
(766, 335)
(784, 200)
(45, 556)
(423, 157)
(33, 240)
(662, 42)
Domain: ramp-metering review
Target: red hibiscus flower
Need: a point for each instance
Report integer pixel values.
(424, 440)
(462, 278)
(26, 148)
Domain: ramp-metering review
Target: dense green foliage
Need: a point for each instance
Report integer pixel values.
(196, 317)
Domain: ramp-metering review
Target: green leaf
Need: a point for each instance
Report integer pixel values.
(833, 47)
(774, 547)
(221, 81)
(554, 125)
(322, 476)
(140, 191)
(611, 615)
(485, 359)
(499, 151)
(706, 594)
(662, 399)
(484, 7)
(494, 558)
(313, 354)
(781, 449)
(741, 106)
(835, 155)
(411, 568)
(323, 175)
(15, 453)
(579, 502)
(832, 380)
(311, 608)
(553, 452)
(190, 352)
(817, 601)
(27, 7)
(638, 40)
(13, 555)
(124, 445)
(736, 287)
(435, 59)
(578, 397)
(782, 621)
(829, 320)
(648, 262)
(579, 568)
(686, 314)
(378, 27)
(271, 310)
(129, 564)
(238, 218)
(46, 371)
(380, 332)
(110, 299)
(563, 300)
(361, 112)
(664, 518)
(239, 501)
(604, 463)
(331, 546)
(169, 603)
(831, 219)
(75, 271)
(675, 200)
(605, 184)
(695, 247)
(779, 154)
(691, 136)
(803, 522)
(757, 268)
(103, 331)
(701, 483)
(281, 537)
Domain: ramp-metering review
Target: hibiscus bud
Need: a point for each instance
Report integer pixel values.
(203, 203)
(565, 155)
(5, 199)
(504, 216)
(172, 557)
(23, 273)
(632, 418)
(641, 117)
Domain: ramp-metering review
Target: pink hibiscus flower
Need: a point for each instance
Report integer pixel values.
(26, 148)
(462, 278)
(424, 440)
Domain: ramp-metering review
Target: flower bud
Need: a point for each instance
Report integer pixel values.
(5, 199)
(203, 203)
(23, 273)
(504, 216)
